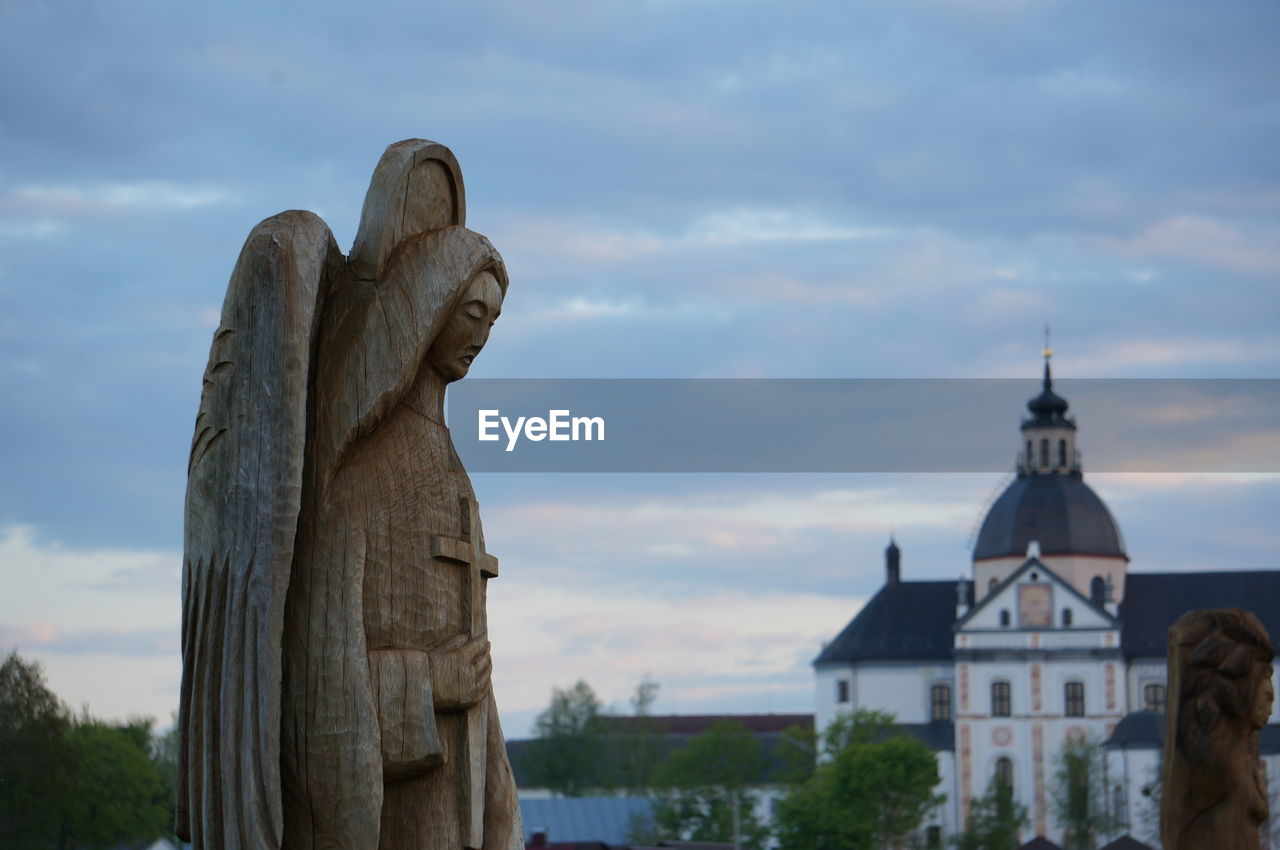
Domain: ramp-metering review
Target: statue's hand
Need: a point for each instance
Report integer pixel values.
(460, 671)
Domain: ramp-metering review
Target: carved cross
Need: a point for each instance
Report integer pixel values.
(478, 565)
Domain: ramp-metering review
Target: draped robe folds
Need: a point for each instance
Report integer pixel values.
(366, 752)
(314, 611)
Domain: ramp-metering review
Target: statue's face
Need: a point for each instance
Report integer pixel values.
(1263, 697)
(467, 330)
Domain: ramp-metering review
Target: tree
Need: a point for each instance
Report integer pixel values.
(872, 792)
(703, 789)
(994, 820)
(117, 793)
(795, 754)
(1079, 794)
(164, 756)
(639, 750)
(35, 757)
(568, 755)
(864, 726)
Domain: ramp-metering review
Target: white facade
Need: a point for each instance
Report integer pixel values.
(1036, 657)
(1018, 690)
(1028, 683)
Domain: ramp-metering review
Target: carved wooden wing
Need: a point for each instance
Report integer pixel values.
(244, 493)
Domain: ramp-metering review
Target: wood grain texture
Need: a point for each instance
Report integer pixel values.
(336, 660)
(1220, 695)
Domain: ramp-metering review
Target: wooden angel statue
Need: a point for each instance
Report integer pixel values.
(335, 687)
(1220, 695)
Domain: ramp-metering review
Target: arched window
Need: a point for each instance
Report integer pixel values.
(1153, 697)
(1004, 772)
(940, 703)
(1066, 618)
(1097, 590)
(1119, 808)
(1073, 699)
(1062, 453)
(1044, 452)
(1001, 700)
(1004, 617)
(842, 690)
(1031, 458)
(991, 585)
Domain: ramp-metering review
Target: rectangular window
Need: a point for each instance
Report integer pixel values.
(1074, 699)
(933, 838)
(1153, 698)
(1004, 772)
(940, 703)
(1001, 701)
(842, 690)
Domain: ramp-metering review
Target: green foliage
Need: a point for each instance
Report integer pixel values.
(35, 757)
(795, 754)
(642, 831)
(994, 820)
(873, 792)
(117, 793)
(164, 756)
(864, 726)
(568, 756)
(703, 788)
(1079, 794)
(638, 752)
(79, 782)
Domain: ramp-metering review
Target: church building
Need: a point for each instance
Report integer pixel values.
(1050, 638)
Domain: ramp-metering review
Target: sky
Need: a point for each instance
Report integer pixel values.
(680, 189)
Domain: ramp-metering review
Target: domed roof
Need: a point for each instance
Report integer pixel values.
(1048, 408)
(1059, 510)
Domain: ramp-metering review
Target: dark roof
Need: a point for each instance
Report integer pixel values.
(1139, 730)
(1048, 408)
(673, 732)
(1127, 842)
(570, 819)
(1152, 601)
(1144, 730)
(936, 736)
(909, 620)
(1039, 843)
(1057, 509)
(695, 724)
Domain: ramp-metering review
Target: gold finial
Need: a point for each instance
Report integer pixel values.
(1048, 352)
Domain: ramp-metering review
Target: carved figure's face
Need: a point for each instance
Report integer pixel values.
(1263, 697)
(467, 330)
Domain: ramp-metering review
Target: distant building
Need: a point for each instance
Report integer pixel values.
(1049, 638)
(607, 817)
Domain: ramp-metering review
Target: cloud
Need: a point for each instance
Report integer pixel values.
(93, 588)
(751, 225)
(705, 646)
(740, 536)
(99, 198)
(1206, 240)
(1125, 356)
(38, 229)
(51, 638)
(582, 308)
(576, 239)
(103, 622)
(1129, 486)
